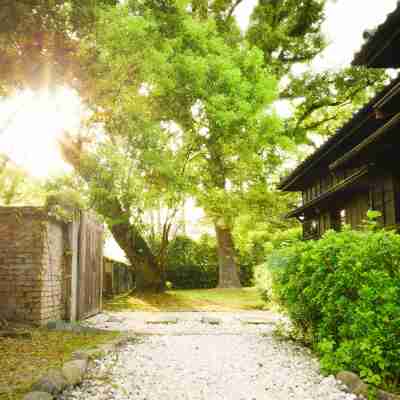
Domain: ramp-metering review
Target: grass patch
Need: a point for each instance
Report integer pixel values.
(189, 300)
(24, 361)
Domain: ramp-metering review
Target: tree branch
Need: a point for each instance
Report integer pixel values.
(233, 8)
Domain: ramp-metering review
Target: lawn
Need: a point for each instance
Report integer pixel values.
(24, 361)
(189, 300)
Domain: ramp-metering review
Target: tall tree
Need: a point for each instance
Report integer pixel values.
(186, 64)
(219, 94)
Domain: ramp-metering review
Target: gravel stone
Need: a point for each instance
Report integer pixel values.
(191, 360)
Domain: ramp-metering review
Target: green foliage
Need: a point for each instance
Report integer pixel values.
(289, 34)
(38, 41)
(193, 115)
(194, 264)
(343, 295)
(246, 267)
(17, 188)
(288, 31)
(261, 224)
(327, 99)
(275, 252)
(66, 190)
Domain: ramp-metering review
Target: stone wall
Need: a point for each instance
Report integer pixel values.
(53, 297)
(32, 278)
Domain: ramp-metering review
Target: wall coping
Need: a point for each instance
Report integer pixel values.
(29, 211)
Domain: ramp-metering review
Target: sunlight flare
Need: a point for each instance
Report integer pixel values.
(31, 124)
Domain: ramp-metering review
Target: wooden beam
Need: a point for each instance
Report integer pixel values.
(339, 186)
(365, 143)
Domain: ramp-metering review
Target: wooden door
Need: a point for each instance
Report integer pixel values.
(89, 267)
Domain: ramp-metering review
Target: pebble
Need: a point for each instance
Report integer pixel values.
(195, 361)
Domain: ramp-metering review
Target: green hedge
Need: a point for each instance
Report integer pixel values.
(342, 293)
(194, 264)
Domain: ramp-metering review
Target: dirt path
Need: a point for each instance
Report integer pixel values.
(204, 356)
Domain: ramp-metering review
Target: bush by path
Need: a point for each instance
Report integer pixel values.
(343, 295)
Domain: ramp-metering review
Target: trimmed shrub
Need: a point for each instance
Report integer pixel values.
(342, 294)
(246, 271)
(194, 265)
(277, 251)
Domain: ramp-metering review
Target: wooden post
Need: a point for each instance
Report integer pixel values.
(75, 266)
(101, 273)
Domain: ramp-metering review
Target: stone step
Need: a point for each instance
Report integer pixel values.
(163, 320)
(211, 320)
(257, 321)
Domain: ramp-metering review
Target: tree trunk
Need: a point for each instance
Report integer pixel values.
(148, 279)
(149, 275)
(228, 270)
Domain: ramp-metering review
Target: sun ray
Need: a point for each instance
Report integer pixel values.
(32, 122)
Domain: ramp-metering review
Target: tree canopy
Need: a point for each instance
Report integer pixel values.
(182, 106)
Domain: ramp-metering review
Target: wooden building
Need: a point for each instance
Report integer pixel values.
(357, 169)
(118, 277)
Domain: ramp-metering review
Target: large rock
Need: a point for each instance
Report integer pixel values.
(38, 396)
(361, 390)
(350, 379)
(82, 355)
(382, 395)
(53, 382)
(74, 371)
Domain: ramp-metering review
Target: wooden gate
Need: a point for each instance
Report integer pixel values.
(87, 267)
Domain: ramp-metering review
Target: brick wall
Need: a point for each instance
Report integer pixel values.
(32, 278)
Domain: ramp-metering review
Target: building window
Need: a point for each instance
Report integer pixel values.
(338, 219)
(343, 220)
(311, 229)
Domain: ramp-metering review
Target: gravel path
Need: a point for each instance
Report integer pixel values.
(204, 356)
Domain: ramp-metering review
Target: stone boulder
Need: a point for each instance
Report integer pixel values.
(38, 396)
(382, 395)
(53, 382)
(74, 371)
(350, 379)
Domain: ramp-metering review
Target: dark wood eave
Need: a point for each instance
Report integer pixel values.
(366, 143)
(353, 126)
(338, 188)
(381, 48)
